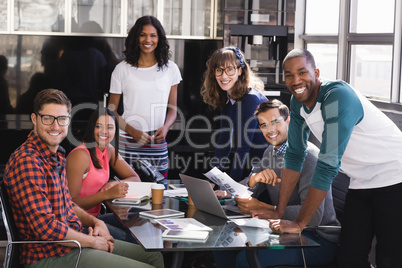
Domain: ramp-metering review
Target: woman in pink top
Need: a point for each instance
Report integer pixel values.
(88, 169)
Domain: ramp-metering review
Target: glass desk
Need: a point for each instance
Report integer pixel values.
(225, 235)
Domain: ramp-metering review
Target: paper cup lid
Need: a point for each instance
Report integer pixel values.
(157, 186)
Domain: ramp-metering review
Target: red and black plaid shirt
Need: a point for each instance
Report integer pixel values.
(36, 183)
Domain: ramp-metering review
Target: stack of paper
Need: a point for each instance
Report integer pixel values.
(180, 192)
(188, 229)
(183, 224)
(227, 183)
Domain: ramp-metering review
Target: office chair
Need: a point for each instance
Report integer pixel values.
(11, 259)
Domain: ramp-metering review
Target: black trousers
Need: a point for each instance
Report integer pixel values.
(368, 213)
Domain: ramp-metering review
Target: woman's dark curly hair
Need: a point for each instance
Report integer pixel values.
(89, 137)
(132, 52)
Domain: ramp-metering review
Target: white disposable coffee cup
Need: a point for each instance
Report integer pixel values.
(157, 193)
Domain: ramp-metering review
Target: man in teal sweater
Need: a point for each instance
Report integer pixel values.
(273, 119)
(357, 138)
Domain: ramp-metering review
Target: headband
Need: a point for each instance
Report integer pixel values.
(239, 56)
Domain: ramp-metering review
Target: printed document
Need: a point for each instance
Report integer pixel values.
(227, 183)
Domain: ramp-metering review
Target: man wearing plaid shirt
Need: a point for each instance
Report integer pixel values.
(36, 183)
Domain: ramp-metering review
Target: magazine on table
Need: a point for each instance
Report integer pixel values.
(190, 236)
(184, 229)
(183, 224)
(226, 183)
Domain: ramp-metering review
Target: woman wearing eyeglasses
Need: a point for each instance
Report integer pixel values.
(232, 87)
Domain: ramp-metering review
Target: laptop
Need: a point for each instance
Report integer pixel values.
(204, 199)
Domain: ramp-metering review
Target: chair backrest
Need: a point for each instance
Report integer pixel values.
(12, 253)
(340, 186)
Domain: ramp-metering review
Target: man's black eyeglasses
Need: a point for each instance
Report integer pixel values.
(48, 120)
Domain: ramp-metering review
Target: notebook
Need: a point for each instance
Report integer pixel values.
(204, 198)
(137, 192)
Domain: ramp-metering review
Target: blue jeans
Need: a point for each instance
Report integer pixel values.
(324, 254)
(116, 228)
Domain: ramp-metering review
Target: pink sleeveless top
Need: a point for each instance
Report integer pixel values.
(95, 178)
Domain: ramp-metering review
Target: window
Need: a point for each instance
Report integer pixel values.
(371, 69)
(3, 15)
(322, 17)
(325, 59)
(353, 40)
(372, 16)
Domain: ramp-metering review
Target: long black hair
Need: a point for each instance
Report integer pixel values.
(132, 51)
(89, 137)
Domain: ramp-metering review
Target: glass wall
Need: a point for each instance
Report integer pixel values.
(47, 16)
(101, 16)
(184, 17)
(180, 18)
(3, 15)
(139, 8)
(40, 48)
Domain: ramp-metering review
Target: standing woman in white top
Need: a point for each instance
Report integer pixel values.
(148, 81)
